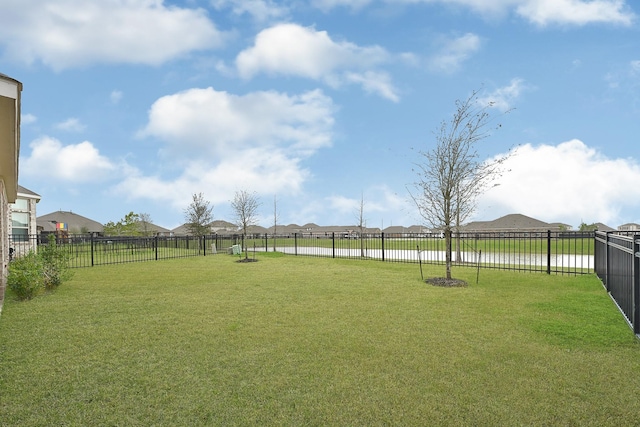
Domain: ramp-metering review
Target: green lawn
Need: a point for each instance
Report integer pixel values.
(314, 341)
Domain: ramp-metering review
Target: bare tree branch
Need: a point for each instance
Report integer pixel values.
(451, 176)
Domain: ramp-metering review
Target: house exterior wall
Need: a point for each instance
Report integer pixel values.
(10, 93)
(4, 240)
(22, 242)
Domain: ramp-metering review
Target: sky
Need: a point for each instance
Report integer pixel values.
(320, 107)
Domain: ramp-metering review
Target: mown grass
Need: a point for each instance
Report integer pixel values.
(312, 341)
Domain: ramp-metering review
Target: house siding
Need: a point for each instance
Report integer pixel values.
(4, 240)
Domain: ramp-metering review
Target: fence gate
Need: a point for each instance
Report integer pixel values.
(617, 264)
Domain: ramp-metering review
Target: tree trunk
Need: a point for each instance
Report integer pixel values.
(447, 238)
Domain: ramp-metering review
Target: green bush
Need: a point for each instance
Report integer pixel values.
(26, 276)
(46, 270)
(55, 264)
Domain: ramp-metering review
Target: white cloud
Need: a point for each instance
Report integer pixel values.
(504, 97)
(76, 163)
(27, 119)
(72, 124)
(71, 33)
(115, 96)
(327, 5)
(260, 10)
(293, 50)
(538, 12)
(575, 12)
(219, 123)
(254, 141)
(379, 202)
(453, 52)
(567, 183)
(635, 66)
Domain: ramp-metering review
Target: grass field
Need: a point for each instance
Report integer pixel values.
(313, 341)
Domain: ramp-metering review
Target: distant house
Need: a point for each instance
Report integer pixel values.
(603, 227)
(630, 226)
(215, 227)
(150, 229)
(68, 222)
(23, 221)
(10, 99)
(223, 227)
(513, 223)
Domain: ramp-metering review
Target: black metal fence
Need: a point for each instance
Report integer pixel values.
(547, 252)
(617, 264)
(92, 250)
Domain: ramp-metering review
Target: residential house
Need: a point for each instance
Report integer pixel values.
(215, 227)
(67, 222)
(10, 99)
(513, 223)
(23, 221)
(630, 226)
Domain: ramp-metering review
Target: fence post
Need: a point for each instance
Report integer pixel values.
(636, 284)
(606, 274)
(295, 242)
(548, 251)
(382, 244)
(333, 244)
(155, 243)
(92, 247)
(266, 243)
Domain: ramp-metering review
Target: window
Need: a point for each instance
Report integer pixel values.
(20, 226)
(20, 205)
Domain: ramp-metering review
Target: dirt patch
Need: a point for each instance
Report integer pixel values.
(446, 283)
(247, 260)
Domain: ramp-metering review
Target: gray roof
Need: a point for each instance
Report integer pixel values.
(26, 192)
(512, 222)
(74, 222)
(603, 227)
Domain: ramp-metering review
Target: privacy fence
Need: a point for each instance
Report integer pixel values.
(617, 264)
(547, 252)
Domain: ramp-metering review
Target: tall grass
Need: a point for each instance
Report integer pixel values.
(312, 341)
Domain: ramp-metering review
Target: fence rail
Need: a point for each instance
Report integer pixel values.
(547, 252)
(92, 250)
(617, 264)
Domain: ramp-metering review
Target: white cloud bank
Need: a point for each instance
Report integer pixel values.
(220, 142)
(72, 124)
(453, 52)
(75, 163)
(293, 50)
(72, 33)
(567, 183)
(537, 12)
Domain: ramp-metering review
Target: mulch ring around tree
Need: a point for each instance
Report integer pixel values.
(446, 283)
(247, 260)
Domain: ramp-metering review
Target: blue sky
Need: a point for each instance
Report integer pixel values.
(135, 105)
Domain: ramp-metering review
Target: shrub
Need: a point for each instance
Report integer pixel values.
(46, 270)
(55, 264)
(26, 276)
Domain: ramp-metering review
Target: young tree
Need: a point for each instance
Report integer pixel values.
(198, 216)
(144, 224)
(451, 176)
(362, 224)
(245, 206)
(127, 226)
